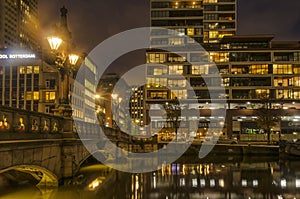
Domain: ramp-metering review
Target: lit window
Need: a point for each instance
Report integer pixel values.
(29, 69)
(36, 70)
(221, 183)
(180, 94)
(176, 41)
(29, 96)
(258, 69)
(36, 95)
(176, 70)
(194, 182)
(202, 182)
(213, 34)
(282, 69)
(190, 31)
(32, 96)
(219, 57)
(22, 70)
(50, 96)
(182, 182)
(200, 70)
(244, 183)
(156, 58)
(255, 183)
(297, 183)
(283, 183)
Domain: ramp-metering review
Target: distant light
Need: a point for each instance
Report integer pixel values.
(283, 183)
(244, 183)
(94, 184)
(297, 183)
(212, 183)
(154, 182)
(182, 182)
(221, 183)
(114, 96)
(255, 183)
(202, 182)
(194, 182)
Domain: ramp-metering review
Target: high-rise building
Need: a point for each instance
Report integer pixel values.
(111, 97)
(136, 104)
(31, 80)
(19, 24)
(232, 73)
(207, 21)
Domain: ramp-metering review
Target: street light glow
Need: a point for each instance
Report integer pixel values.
(54, 42)
(73, 59)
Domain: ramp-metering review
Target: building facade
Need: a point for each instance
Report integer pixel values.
(82, 90)
(206, 21)
(111, 98)
(27, 82)
(232, 73)
(19, 24)
(250, 68)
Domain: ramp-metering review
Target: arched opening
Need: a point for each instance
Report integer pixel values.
(28, 175)
(91, 158)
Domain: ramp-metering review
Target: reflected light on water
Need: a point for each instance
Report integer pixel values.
(236, 179)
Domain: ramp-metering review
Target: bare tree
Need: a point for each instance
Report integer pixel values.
(267, 116)
(173, 113)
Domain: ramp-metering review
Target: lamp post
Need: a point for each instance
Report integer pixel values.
(65, 62)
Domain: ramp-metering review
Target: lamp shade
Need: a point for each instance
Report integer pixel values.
(54, 42)
(73, 59)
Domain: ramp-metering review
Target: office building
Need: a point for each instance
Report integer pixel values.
(27, 82)
(19, 24)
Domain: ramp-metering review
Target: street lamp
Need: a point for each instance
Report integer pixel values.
(65, 63)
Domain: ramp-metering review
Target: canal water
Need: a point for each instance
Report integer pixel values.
(190, 178)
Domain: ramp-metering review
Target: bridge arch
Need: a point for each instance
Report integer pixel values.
(91, 158)
(43, 176)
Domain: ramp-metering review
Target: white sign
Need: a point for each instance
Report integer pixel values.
(17, 56)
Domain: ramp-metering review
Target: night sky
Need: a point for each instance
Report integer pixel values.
(92, 21)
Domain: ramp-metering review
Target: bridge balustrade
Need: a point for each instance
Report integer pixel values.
(13, 120)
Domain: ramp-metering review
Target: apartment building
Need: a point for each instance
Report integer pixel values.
(230, 74)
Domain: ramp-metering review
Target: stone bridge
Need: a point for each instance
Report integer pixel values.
(43, 147)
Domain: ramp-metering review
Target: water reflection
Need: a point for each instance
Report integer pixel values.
(223, 178)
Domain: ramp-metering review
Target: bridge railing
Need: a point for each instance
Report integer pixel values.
(37, 125)
(13, 120)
